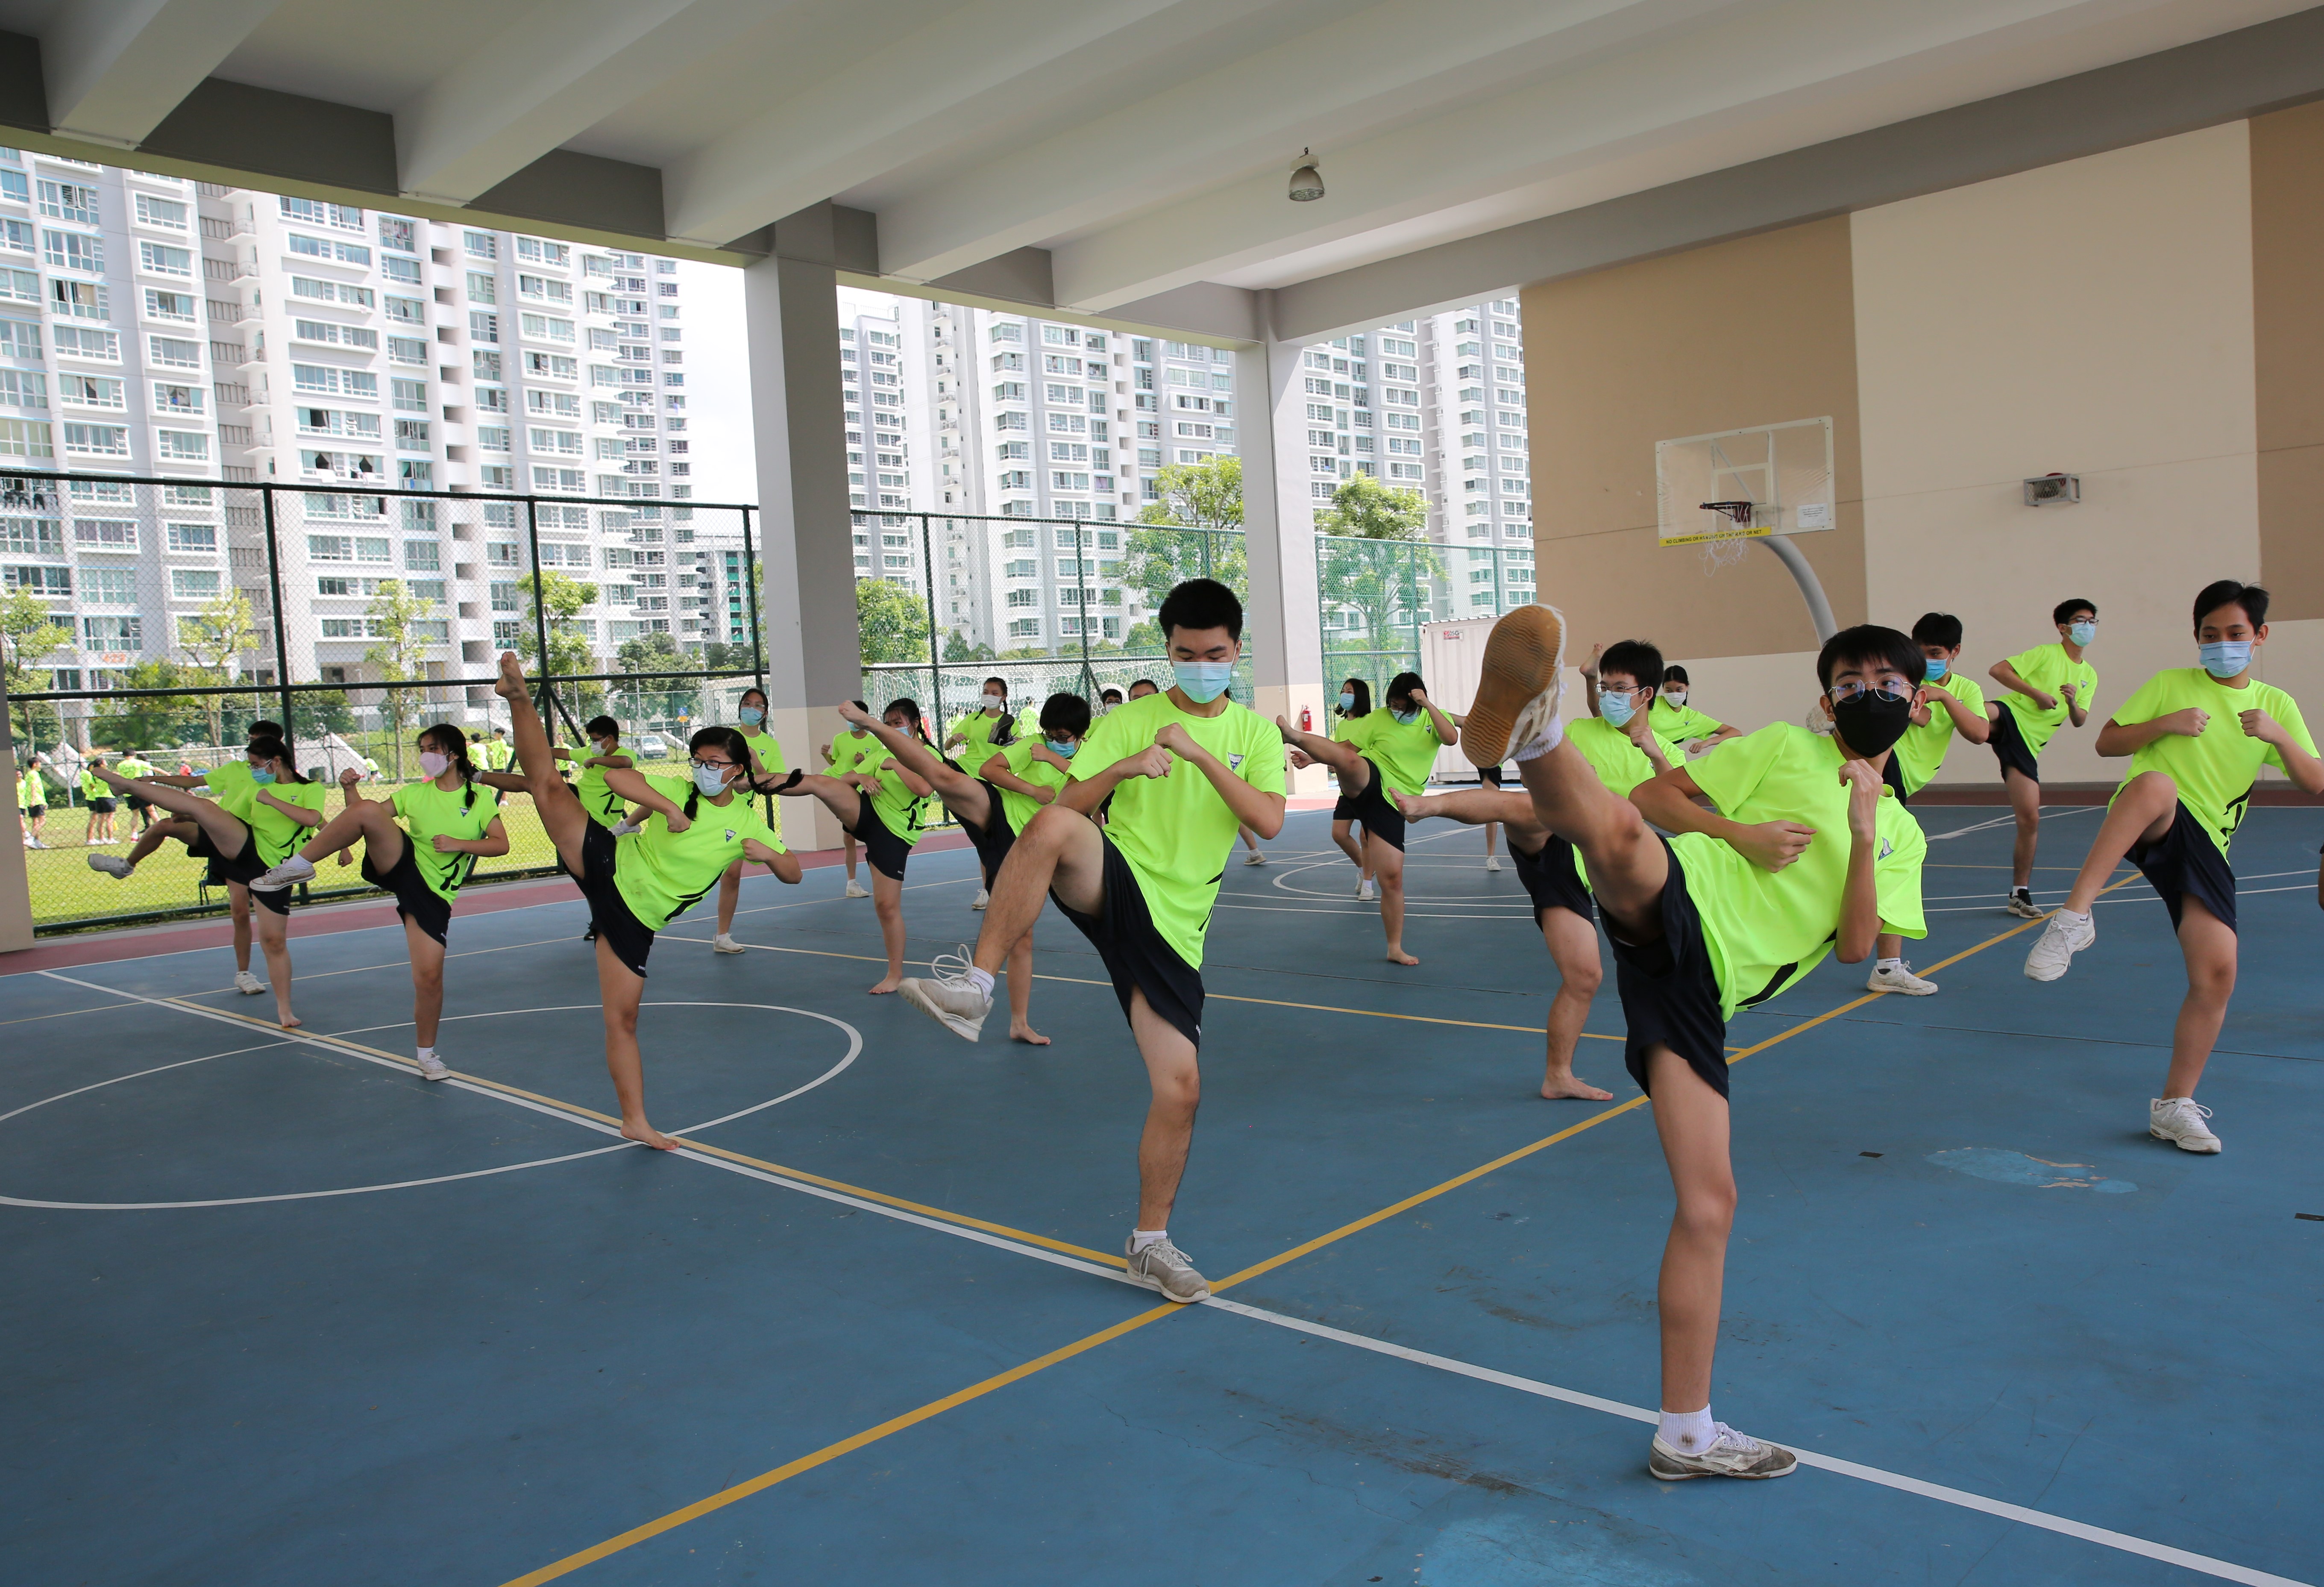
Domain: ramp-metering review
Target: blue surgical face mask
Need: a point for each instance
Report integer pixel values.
(750, 715)
(1616, 706)
(1064, 749)
(710, 779)
(1406, 717)
(1935, 666)
(1202, 681)
(2082, 633)
(2224, 657)
(1348, 700)
(258, 775)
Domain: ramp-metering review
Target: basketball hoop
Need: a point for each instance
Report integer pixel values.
(1725, 550)
(1741, 512)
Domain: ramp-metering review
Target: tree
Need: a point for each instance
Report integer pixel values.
(718, 656)
(394, 616)
(958, 648)
(29, 636)
(1365, 508)
(212, 640)
(142, 721)
(891, 623)
(1195, 496)
(570, 654)
(658, 701)
(1362, 564)
(319, 713)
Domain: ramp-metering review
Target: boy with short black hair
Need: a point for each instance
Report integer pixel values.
(1141, 887)
(2197, 737)
(1950, 703)
(1804, 851)
(2045, 686)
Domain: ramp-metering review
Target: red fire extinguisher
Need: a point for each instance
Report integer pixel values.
(1306, 722)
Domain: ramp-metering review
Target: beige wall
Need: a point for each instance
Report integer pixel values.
(2287, 181)
(2093, 317)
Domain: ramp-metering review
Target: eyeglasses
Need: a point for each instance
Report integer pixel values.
(717, 765)
(1841, 693)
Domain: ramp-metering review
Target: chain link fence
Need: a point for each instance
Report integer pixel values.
(1375, 596)
(155, 620)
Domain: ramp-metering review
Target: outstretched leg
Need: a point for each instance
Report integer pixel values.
(559, 808)
(1627, 862)
(225, 832)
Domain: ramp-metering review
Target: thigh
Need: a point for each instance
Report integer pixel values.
(383, 841)
(1078, 877)
(1691, 1121)
(1573, 942)
(619, 987)
(426, 952)
(2208, 942)
(1385, 858)
(1171, 1061)
(273, 929)
(2025, 793)
(561, 817)
(965, 796)
(237, 900)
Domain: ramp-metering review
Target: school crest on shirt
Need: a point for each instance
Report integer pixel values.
(1886, 848)
(1234, 761)
(730, 836)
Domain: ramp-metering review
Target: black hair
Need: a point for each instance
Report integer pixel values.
(746, 694)
(1638, 657)
(860, 706)
(1064, 712)
(2230, 592)
(910, 707)
(1003, 683)
(1147, 682)
(1401, 685)
(455, 746)
(1363, 693)
(1675, 673)
(1199, 604)
(2063, 612)
(274, 749)
(598, 726)
(264, 729)
(1869, 643)
(1109, 694)
(737, 748)
(1938, 628)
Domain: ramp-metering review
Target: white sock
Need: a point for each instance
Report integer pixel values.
(2074, 914)
(1687, 1431)
(1549, 738)
(427, 1053)
(1885, 965)
(980, 979)
(1139, 1239)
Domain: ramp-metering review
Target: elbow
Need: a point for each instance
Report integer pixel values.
(1853, 952)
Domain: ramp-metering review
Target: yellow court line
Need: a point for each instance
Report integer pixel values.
(766, 1480)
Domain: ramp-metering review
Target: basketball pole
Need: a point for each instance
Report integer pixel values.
(1810, 586)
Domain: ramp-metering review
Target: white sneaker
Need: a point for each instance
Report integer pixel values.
(247, 985)
(2061, 940)
(1254, 858)
(113, 865)
(950, 995)
(1730, 1454)
(1900, 979)
(626, 829)
(1163, 1265)
(2021, 905)
(983, 896)
(431, 1067)
(1493, 864)
(34, 842)
(2178, 1119)
(856, 890)
(287, 875)
(1361, 884)
(1366, 892)
(724, 943)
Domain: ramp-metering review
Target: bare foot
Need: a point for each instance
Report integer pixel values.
(288, 1021)
(1565, 1086)
(1413, 807)
(1027, 1034)
(1399, 956)
(510, 684)
(887, 986)
(645, 1134)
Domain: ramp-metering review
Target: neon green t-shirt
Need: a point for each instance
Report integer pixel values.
(1176, 830)
(495, 754)
(2215, 772)
(91, 789)
(2045, 667)
(849, 749)
(1026, 766)
(895, 806)
(1767, 928)
(1679, 725)
(428, 810)
(276, 834)
(1405, 751)
(1922, 750)
(976, 728)
(766, 750)
(1357, 730)
(30, 790)
(231, 786)
(132, 766)
(603, 806)
(662, 873)
(1621, 764)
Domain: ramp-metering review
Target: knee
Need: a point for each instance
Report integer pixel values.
(621, 1022)
(1178, 1093)
(2212, 982)
(1583, 979)
(1049, 825)
(1707, 1211)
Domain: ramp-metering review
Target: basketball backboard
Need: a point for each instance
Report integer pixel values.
(1768, 479)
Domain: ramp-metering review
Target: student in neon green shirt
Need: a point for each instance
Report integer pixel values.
(1354, 727)
(1682, 727)
(494, 753)
(637, 885)
(879, 802)
(2040, 688)
(448, 826)
(1804, 852)
(243, 831)
(99, 801)
(33, 801)
(841, 756)
(972, 733)
(2197, 737)
(766, 761)
(1185, 767)
(1621, 748)
(1397, 757)
(133, 767)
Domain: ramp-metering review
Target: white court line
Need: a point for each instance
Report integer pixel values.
(2050, 812)
(2042, 1519)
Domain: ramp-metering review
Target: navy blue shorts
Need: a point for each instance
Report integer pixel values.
(1136, 954)
(2009, 746)
(2184, 864)
(1551, 880)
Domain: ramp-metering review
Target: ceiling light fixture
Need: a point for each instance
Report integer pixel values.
(1306, 181)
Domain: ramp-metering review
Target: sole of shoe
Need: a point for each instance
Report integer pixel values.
(2180, 1142)
(1156, 1286)
(1522, 658)
(720, 948)
(1662, 1473)
(958, 1024)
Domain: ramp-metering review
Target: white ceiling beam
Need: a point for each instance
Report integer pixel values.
(558, 70)
(1734, 91)
(114, 69)
(890, 107)
(1362, 68)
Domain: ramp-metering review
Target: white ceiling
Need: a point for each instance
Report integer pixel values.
(1144, 142)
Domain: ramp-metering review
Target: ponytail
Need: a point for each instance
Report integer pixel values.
(910, 707)
(274, 749)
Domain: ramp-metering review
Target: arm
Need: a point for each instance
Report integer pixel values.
(494, 842)
(1261, 812)
(1668, 801)
(174, 781)
(299, 813)
(2117, 739)
(1086, 793)
(634, 789)
(1970, 725)
(2306, 771)
(996, 773)
(1859, 901)
(506, 782)
(1643, 736)
(2075, 707)
(1446, 733)
(2004, 673)
(1726, 730)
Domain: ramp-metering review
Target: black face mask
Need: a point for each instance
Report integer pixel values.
(1872, 721)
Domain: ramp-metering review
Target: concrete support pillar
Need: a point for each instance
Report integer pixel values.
(15, 885)
(807, 553)
(1284, 615)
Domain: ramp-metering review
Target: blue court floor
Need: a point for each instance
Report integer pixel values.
(282, 1313)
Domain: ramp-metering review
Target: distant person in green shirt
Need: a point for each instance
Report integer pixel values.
(1395, 758)
(33, 801)
(136, 766)
(1620, 745)
(2042, 688)
(1354, 725)
(495, 754)
(446, 828)
(262, 807)
(841, 756)
(1183, 769)
(1801, 852)
(636, 885)
(1685, 729)
(766, 761)
(100, 801)
(973, 732)
(879, 802)
(2197, 737)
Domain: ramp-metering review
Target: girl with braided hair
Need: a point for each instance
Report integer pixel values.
(882, 804)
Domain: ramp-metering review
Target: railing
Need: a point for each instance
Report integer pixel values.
(1377, 594)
